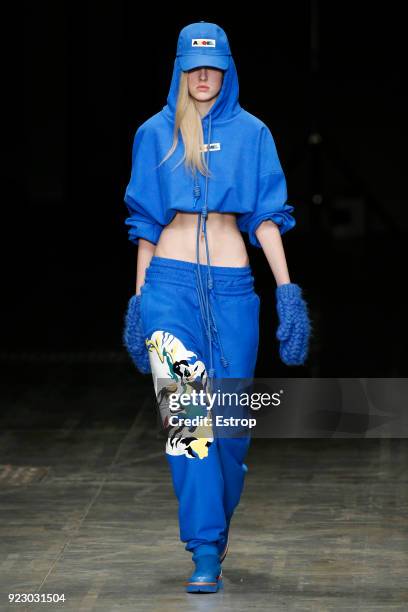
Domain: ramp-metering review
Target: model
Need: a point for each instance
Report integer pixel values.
(203, 171)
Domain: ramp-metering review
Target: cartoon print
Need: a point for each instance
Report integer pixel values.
(178, 370)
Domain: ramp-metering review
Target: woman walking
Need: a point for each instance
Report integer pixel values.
(203, 171)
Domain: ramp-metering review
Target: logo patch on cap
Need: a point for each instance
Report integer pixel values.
(203, 42)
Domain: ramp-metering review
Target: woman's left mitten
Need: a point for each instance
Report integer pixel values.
(133, 336)
(294, 324)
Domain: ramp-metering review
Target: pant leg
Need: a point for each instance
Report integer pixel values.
(238, 325)
(170, 318)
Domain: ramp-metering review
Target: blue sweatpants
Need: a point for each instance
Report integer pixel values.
(208, 471)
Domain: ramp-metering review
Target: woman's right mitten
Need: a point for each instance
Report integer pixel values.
(133, 336)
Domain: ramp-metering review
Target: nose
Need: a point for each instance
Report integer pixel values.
(203, 73)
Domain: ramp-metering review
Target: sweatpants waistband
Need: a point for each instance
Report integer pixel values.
(227, 279)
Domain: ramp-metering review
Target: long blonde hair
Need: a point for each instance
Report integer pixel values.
(188, 120)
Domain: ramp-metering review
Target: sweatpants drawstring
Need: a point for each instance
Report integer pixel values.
(206, 308)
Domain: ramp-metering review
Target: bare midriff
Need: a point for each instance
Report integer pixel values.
(225, 243)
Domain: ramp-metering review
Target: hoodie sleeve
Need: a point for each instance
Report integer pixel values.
(271, 196)
(142, 196)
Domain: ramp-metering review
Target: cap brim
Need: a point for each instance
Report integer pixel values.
(188, 62)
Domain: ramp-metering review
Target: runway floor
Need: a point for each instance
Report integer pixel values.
(87, 508)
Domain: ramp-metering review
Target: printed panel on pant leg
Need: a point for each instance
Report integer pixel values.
(178, 372)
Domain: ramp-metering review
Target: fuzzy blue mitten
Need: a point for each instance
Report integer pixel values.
(294, 324)
(133, 336)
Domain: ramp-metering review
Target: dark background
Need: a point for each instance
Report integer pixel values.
(78, 82)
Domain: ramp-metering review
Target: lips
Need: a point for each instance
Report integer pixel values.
(203, 87)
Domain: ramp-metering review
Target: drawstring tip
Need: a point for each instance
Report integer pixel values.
(210, 283)
(211, 372)
(224, 362)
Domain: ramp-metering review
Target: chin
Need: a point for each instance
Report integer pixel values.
(203, 98)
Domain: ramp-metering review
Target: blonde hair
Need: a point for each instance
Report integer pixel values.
(188, 121)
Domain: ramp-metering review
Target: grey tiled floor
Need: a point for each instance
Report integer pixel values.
(322, 524)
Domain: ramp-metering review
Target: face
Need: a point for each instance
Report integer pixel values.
(204, 83)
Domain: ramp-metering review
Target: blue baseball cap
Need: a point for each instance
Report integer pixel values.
(203, 44)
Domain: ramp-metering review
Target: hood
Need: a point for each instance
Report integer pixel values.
(226, 105)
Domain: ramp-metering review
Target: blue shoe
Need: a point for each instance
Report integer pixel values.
(207, 576)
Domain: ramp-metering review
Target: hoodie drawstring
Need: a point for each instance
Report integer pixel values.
(206, 309)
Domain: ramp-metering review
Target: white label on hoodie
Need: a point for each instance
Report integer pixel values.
(214, 146)
(203, 42)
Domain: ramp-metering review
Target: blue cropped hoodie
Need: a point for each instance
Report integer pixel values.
(246, 177)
